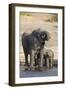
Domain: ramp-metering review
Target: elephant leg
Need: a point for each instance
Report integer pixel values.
(51, 63)
(26, 59)
(41, 60)
(48, 65)
(26, 62)
(44, 62)
(36, 62)
(35, 59)
(32, 60)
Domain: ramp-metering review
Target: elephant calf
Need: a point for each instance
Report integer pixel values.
(48, 57)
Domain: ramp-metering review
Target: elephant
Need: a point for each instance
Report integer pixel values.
(48, 57)
(32, 43)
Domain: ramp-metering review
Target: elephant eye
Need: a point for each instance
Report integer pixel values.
(43, 36)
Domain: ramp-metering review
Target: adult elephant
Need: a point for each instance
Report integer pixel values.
(32, 43)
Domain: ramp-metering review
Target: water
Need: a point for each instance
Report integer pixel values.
(44, 73)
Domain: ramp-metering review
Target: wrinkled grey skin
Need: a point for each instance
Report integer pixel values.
(33, 42)
(48, 57)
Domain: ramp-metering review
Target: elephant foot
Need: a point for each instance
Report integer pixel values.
(40, 68)
(26, 64)
(50, 67)
(26, 67)
(36, 67)
(32, 68)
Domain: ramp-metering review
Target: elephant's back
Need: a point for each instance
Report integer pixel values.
(50, 52)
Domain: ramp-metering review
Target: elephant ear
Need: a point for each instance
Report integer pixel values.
(47, 35)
